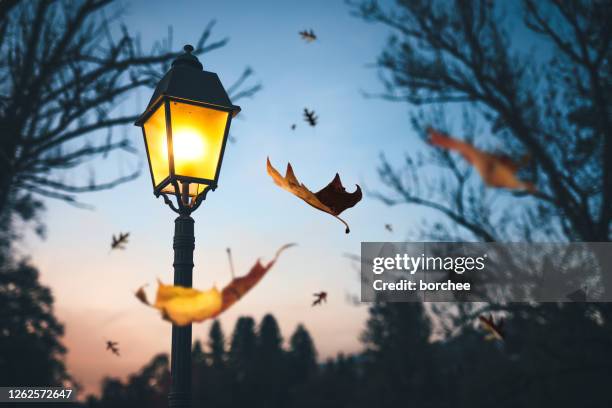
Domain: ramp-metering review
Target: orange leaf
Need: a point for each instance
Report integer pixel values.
(182, 306)
(239, 287)
(333, 199)
(496, 170)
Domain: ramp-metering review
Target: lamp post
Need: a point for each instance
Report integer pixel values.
(185, 128)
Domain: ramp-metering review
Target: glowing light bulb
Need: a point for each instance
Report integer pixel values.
(188, 146)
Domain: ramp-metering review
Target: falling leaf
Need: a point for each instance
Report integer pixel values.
(183, 306)
(141, 295)
(333, 199)
(389, 227)
(119, 242)
(293, 126)
(310, 117)
(239, 287)
(113, 347)
(320, 297)
(496, 170)
(308, 35)
(494, 330)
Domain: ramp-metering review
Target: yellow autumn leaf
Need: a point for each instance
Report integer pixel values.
(183, 306)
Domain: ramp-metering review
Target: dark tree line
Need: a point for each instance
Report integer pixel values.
(402, 364)
(251, 368)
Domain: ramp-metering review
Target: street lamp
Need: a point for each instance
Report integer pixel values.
(185, 128)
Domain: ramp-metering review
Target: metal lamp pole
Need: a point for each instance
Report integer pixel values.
(187, 96)
(180, 370)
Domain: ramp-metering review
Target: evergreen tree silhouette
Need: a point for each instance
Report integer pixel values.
(197, 352)
(216, 344)
(270, 367)
(241, 359)
(399, 354)
(199, 373)
(30, 335)
(147, 388)
(213, 387)
(302, 355)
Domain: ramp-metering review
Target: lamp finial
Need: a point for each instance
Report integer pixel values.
(187, 59)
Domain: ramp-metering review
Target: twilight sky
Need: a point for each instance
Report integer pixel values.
(94, 288)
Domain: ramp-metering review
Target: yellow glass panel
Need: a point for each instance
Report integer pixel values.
(197, 137)
(157, 144)
(194, 189)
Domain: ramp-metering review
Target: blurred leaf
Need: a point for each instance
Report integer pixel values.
(496, 170)
(308, 35)
(310, 117)
(183, 306)
(320, 298)
(238, 287)
(120, 241)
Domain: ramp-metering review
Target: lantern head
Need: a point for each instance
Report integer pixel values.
(185, 129)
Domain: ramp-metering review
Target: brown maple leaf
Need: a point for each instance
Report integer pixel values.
(308, 35)
(333, 199)
(496, 170)
(113, 347)
(120, 241)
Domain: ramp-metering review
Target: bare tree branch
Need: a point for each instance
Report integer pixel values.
(62, 75)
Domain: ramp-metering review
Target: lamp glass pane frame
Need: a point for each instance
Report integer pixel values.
(169, 184)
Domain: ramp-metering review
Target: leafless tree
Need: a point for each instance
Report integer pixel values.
(64, 68)
(546, 97)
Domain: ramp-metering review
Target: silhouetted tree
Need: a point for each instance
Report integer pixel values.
(475, 57)
(212, 379)
(269, 340)
(31, 351)
(302, 355)
(270, 365)
(241, 359)
(197, 352)
(553, 106)
(62, 74)
(216, 345)
(337, 384)
(399, 354)
(200, 372)
(148, 388)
